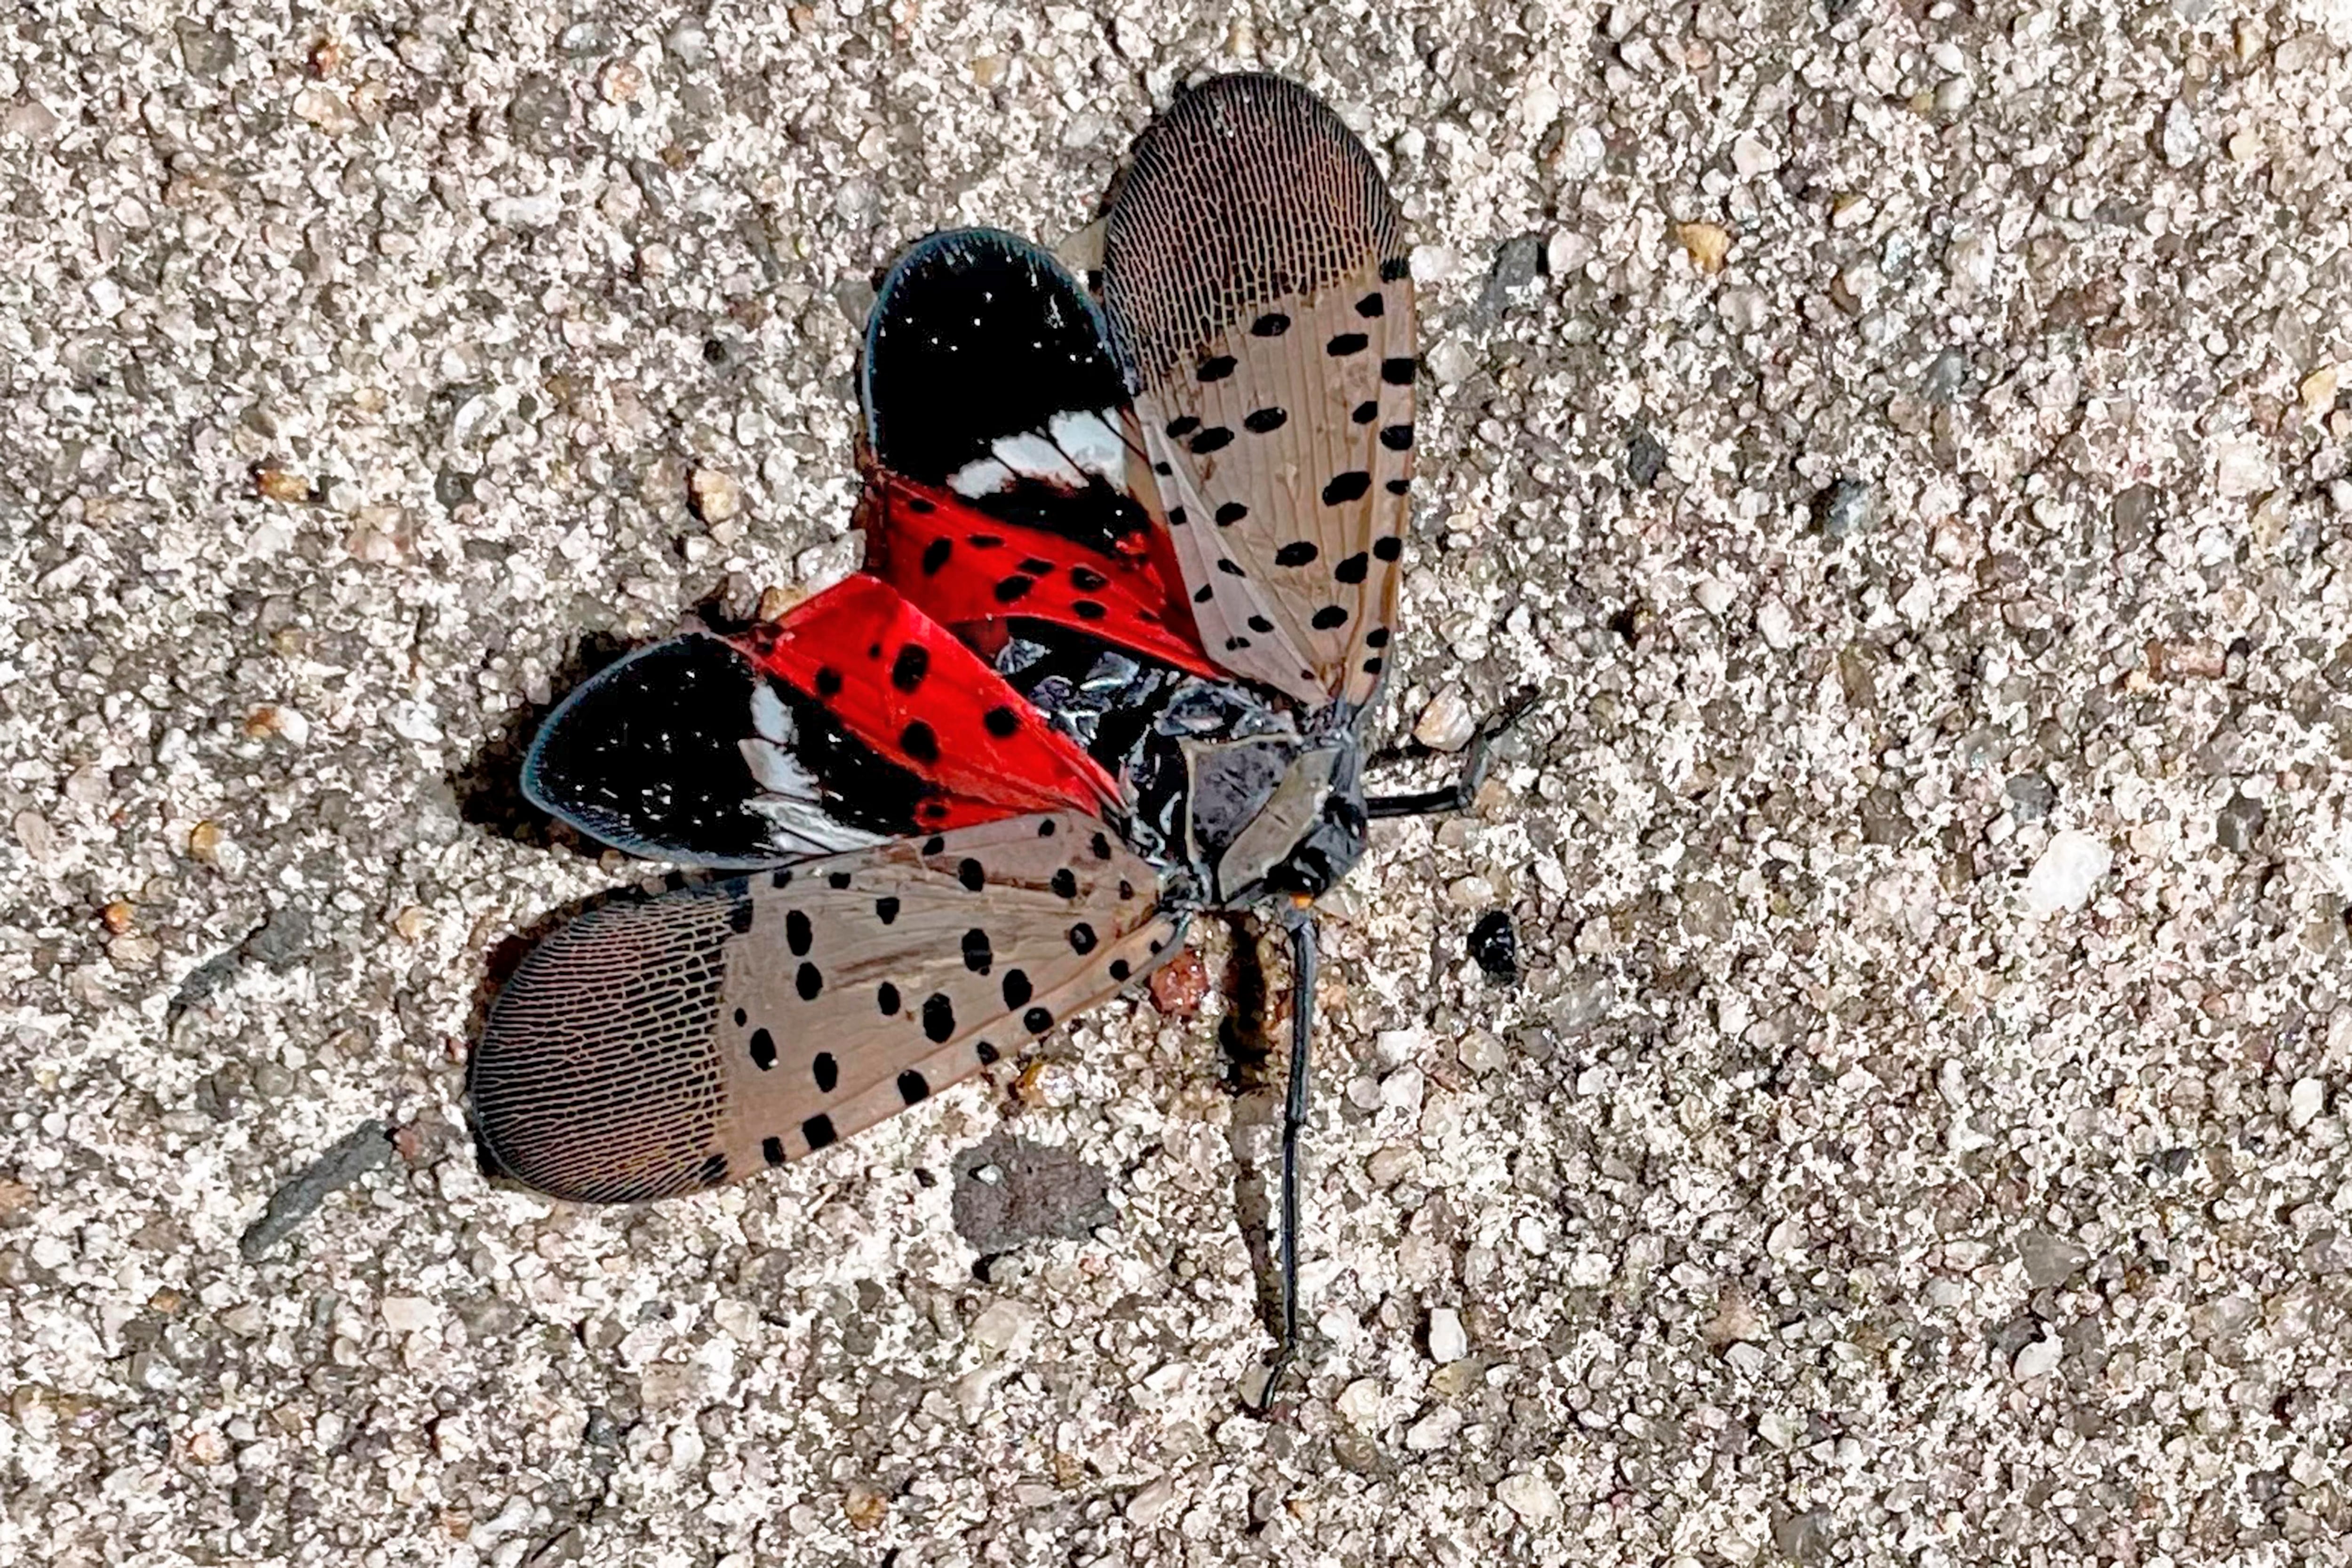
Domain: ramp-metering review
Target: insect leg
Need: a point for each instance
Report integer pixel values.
(1456, 795)
(1301, 924)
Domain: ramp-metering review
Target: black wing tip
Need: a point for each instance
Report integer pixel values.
(927, 408)
(672, 714)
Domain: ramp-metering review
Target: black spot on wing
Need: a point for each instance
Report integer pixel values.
(1345, 488)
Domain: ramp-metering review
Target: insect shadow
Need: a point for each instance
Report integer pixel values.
(489, 785)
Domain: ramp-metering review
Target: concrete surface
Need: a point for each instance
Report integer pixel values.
(1920, 1136)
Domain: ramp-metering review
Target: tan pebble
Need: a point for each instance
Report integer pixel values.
(1446, 724)
(775, 602)
(2187, 660)
(327, 58)
(323, 108)
(412, 923)
(1707, 243)
(2319, 390)
(1735, 1320)
(715, 495)
(209, 1448)
(865, 1508)
(278, 484)
(136, 950)
(262, 723)
(1049, 1085)
(621, 82)
(118, 916)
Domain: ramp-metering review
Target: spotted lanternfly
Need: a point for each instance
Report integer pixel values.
(1130, 586)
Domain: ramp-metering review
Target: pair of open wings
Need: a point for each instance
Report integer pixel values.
(1209, 471)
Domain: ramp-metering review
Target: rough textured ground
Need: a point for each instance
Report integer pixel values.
(1920, 1136)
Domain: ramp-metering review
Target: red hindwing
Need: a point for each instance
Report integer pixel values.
(898, 681)
(967, 569)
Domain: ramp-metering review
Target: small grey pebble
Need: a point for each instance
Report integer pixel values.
(1946, 374)
(1847, 507)
(2049, 1260)
(1645, 459)
(1516, 263)
(2240, 824)
(2031, 796)
(1803, 1538)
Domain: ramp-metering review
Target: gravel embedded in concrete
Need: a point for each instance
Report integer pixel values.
(1909, 450)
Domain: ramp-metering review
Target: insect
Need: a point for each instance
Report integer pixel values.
(1130, 587)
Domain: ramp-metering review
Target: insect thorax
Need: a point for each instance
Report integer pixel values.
(1223, 781)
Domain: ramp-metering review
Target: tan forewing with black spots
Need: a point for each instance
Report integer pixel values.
(1256, 278)
(692, 1039)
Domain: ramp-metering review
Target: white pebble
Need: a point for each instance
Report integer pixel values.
(1742, 310)
(1774, 624)
(1451, 362)
(1448, 1342)
(1434, 1430)
(2037, 1360)
(2242, 466)
(1566, 252)
(1470, 892)
(409, 1314)
(2069, 868)
(1148, 1506)
(1435, 263)
(1750, 157)
(2304, 1102)
(2179, 139)
(537, 210)
(1445, 725)
(1481, 1052)
(1528, 1495)
(1360, 1402)
(1003, 1325)
(1395, 1047)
